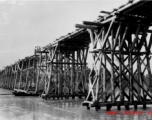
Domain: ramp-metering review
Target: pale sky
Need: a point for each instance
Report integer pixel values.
(25, 24)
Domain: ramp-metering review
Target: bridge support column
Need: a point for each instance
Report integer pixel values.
(66, 72)
(121, 54)
(25, 76)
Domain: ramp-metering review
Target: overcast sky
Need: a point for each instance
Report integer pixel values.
(25, 24)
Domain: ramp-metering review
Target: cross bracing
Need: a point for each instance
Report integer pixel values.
(120, 75)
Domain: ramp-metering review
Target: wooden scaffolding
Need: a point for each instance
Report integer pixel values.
(66, 67)
(7, 77)
(121, 72)
(121, 47)
(41, 68)
(26, 74)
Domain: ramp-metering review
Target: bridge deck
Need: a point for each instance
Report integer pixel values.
(59, 68)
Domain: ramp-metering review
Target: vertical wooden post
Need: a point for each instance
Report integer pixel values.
(56, 74)
(65, 71)
(20, 78)
(59, 72)
(104, 80)
(68, 71)
(149, 73)
(112, 69)
(38, 71)
(139, 69)
(49, 80)
(72, 71)
(62, 73)
(130, 77)
(120, 70)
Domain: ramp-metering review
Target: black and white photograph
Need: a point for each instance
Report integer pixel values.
(75, 60)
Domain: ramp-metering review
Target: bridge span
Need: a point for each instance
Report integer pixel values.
(121, 72)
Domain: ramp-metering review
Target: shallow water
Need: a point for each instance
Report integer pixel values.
(35, 108)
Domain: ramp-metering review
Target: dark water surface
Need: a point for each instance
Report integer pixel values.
(35, 108)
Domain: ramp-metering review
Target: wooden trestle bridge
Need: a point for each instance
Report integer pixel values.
(121, 47)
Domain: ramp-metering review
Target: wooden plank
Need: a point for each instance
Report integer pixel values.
(67, 63)
(135, 23)
(86, 26)
(93, 23)
(105, 12)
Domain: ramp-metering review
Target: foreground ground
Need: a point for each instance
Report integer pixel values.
(35, 108)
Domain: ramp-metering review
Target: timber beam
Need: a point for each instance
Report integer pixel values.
(65, 72)
(121, 72)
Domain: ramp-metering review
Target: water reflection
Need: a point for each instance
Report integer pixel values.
(35, 108)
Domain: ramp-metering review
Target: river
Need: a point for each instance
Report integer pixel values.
(36, 108)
